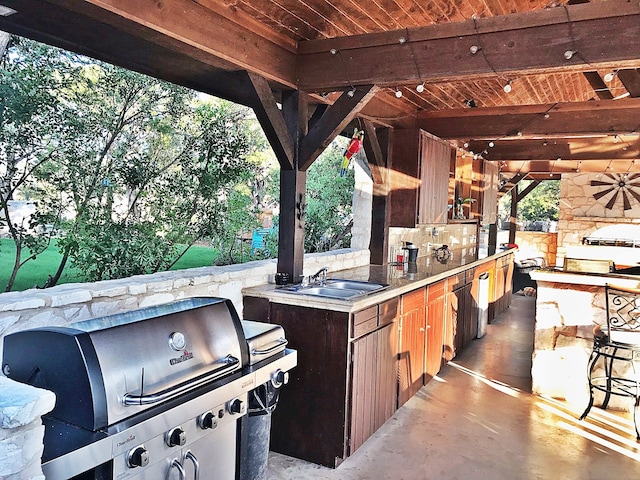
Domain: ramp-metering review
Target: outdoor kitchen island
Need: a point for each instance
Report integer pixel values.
(359, 360)
(568, 307)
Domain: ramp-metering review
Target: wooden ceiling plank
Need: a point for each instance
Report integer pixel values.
(324, 13)
(264, 13)
(631, 81)
(332, 123)
(357, 15)
(534, 42)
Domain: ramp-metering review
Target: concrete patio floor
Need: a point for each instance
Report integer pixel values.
(478, 420)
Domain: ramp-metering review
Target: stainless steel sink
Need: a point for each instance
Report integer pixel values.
(354, 285)
(337, 288)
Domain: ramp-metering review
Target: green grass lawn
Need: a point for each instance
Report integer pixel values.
(35, 272)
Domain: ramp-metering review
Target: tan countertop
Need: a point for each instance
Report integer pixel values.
(595, 279)
(398, 278)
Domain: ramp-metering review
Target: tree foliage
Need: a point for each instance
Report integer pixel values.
(133, 169)
(541, 204)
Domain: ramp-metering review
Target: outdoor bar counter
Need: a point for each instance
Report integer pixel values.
(568, 307)
(361, 359)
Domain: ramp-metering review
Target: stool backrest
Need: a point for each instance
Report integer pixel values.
(623, 314)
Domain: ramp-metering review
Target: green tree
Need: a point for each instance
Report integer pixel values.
(30, 77)
(329, 199)
(138, 169)
(541, 204)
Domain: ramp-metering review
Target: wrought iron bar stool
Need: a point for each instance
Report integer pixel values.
(614, 364)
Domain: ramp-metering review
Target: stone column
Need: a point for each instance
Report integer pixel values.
(21, 429)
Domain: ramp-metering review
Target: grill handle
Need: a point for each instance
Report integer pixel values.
(228, 364)
(281, 343)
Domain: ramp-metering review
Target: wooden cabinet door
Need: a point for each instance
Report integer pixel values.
(373, 383)
(411, 356)
(436, 314)
(435, 157)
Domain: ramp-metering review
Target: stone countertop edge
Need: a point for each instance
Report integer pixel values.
(270, 291)
(593, 279)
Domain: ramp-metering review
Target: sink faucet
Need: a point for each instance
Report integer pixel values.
(320, 276)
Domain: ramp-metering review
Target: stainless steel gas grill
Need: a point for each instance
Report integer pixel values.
(153, 393)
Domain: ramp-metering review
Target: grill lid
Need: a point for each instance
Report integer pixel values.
(107, 369)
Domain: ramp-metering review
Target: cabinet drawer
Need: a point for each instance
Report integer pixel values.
(388, 312)
(413, 300)
(365, 321)
(435, 290)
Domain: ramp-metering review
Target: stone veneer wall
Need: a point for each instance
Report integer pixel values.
(543, 243)
(362, 204)
(21, 407)
(581, 214)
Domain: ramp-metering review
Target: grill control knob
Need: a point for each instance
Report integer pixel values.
(176, 437)
(207, 420)
(236, 406)
(138, 457)
(279, 378)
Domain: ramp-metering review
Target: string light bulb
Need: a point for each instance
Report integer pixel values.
(420, 88)
(507, 87)
(398, 93)
(568, 55)
(491, 144)
(609, 76)
(352, 92)
(474, 49)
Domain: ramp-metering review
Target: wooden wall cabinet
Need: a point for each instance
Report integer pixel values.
(419, 178)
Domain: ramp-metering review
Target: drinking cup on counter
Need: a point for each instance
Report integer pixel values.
(282, 278)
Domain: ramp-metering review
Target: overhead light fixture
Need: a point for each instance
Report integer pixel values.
(568, 55)
(507, 87)
(474, 49)
(398, 93)
(6, 11)
(609, 76)
(420, 88)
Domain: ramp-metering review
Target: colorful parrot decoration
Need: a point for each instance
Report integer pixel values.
(354, 147)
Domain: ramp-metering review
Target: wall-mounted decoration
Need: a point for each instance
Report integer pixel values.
(614, 185)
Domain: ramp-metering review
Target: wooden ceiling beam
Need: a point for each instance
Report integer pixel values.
(593, 35)
(580, 118)
(594, 148)
(542, 168)
(117, 31)
(598, 85)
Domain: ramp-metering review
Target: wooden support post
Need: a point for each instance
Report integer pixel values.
(514, 214)
(293, 185)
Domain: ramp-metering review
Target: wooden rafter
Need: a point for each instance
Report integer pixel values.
(333, 122)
